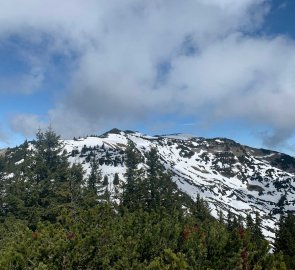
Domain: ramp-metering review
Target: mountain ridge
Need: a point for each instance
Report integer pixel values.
(229, 175)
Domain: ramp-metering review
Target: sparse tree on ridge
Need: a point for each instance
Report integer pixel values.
(105, 180)
(116, 180)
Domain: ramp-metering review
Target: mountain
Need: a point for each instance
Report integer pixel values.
(230, 176)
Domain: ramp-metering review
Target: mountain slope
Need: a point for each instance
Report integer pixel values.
(228, 175)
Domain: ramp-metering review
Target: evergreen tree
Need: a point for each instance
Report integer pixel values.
(201, 209)
(153, 181)
(285, 239)
(107, 195)
(94, 183)
(76, 181)
(39, 185)
(131, 196)
(43, 178)
(49, 155)
(220, 217)
(2, 166)
(281, 234)
(116, 183)
(257, 227)
(51, 170)
(14, 196)
(160, 191)
(249, 222)
(94, 179)
(2, 185)
(230, 223)
(255, 244)
(116, 180)
(105, 180)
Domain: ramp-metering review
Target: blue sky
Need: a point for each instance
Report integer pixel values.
(214, 68)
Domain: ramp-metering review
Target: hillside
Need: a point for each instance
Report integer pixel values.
(228, 175)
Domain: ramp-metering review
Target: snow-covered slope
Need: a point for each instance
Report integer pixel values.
(227, 174)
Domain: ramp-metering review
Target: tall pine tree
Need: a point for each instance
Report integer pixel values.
(131, 189)
(94, 182)
(285, 239)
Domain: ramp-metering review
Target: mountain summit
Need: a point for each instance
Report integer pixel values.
(230, 176)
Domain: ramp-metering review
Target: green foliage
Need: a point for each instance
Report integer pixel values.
(168, 260)
(105, 180)
(76, 180)
(116, 180)
(131, 197)
(285, 239)
(94, 179)
(200, 209)
(93, 184)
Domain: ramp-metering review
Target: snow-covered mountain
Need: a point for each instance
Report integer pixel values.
(228, 175)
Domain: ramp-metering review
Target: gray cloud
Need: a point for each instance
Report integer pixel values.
(25, 83)
(134, 59)
(277, 139)
(4, 138)
(27, 124)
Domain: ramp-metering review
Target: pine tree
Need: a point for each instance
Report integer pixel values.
(230, 225)
(116, 180)
(153, 180)
(285, 239)
(94, 183)
(159, 190)
(105, 180)
(48, 153)
(76, 181)
(249, 222)
(14, 196)
(202, 210)
(257, 231)
(2, 185)
(131, 196)
(220, 217)
(39, 187)
(94, 179)
(50, 167)
(255, 244)
(280, 240)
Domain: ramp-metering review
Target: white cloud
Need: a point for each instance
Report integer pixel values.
(4, 138)
(122, 47)
(28, 124)
(24, 83)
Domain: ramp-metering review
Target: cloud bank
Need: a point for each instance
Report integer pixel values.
(134, 60)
